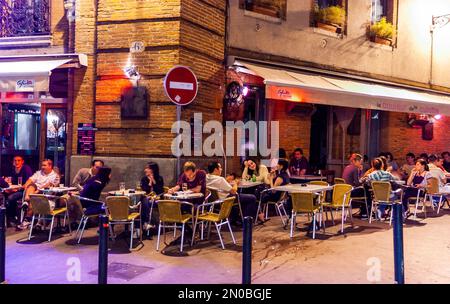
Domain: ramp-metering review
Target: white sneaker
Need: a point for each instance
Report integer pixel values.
(25, 224)
(147, 226)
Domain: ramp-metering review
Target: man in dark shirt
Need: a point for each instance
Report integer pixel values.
(22, 171)
(352, 174)
(446, 157)
(194, 179)
(298, 164)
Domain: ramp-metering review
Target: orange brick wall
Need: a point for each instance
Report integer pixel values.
(399, 138)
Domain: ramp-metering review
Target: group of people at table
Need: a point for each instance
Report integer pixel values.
(89, 183)
(415, 174)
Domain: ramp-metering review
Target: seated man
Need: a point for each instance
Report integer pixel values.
(20, 172)
(44, 178)
(298, 164)
(84, 174)
(225, 189)
(352, 174)
(193, 179)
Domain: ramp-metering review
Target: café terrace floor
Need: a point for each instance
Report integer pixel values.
(330, 258)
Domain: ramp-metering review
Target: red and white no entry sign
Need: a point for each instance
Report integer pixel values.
(181, 85)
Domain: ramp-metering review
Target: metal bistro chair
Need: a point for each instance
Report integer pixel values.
(121, 213)
(279, 207)
(74, 205)
(339, 180)
(215, 196)
(170, 213)
(341, 200)
(432, 190)
(383, 195)
(219, 219)
(42, 209)
(304, 203)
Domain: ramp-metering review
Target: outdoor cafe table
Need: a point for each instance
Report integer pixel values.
(134, 195)
(248, 184)
(300, 179)
(58, 190)
(180, 195)
(306, 188)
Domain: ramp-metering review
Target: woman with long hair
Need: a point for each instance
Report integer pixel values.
(153, 184)
(93, 189)
(417, 180)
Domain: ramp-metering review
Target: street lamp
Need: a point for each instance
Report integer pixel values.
(436, 23)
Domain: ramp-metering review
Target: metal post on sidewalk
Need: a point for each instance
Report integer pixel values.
(2, 244)
(247, 251)
(103, 250)
(398, 244)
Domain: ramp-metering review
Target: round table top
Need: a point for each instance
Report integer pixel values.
(126, 192)
(183, 195)
(59, 189)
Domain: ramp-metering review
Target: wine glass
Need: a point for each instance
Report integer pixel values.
(122, 187)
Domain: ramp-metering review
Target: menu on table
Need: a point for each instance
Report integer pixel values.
(86, 138)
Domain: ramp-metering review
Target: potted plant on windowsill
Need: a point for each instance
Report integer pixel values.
(382, 32)
(331, 18)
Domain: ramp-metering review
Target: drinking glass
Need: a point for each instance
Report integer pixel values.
(138, 186)
(61, 185)
(9, 180)
(19, 181)
(184, 187)
(122, 186)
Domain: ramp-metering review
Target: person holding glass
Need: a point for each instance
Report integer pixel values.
(194, 180)
(19, 174)
(153, 185)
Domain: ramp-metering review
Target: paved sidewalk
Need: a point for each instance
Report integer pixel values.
(364, 254)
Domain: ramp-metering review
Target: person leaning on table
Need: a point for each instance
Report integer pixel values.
(84, 174)
(194, 178)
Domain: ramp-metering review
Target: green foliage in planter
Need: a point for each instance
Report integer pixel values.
(382, 29)
(332, 14)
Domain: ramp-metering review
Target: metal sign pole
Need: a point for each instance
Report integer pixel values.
(178, 141)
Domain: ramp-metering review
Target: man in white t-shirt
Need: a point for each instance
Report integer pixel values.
(227, 188)
(44, 178)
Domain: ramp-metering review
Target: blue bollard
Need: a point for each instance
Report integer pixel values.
(2, 244)
(247, 251)
(398, 244)
(103, 250)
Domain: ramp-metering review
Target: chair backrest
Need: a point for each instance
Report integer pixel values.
(303, 202)
(214, 194)
(170, 211)
(339, 190)
(432, 185)
(74, 206)
(319, 183)
(225, 207)
(40, 204)
(381, 191)
(338, 180)
(118, 207)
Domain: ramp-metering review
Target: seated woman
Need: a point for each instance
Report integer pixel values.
(93, 189)
(278, 177)
(417, 179)
(255, 171)
(153, 185)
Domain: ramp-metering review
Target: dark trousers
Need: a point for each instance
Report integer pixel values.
(11, 203)
(248, 204)
(409, 193)
(361, 193)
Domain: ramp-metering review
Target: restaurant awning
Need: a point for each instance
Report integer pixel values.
(284, 83)
(32, 73)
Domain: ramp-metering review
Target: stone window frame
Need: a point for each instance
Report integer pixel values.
(342, 3)
(259, 9)
(391, 14)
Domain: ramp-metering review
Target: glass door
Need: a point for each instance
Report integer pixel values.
(55, 144)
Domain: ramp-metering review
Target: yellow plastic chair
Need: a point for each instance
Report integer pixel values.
(338, 180)
(340, 201)
(432, 190)
(219, 219)
(170, 213)
(75, 206)
(304, 203)
(120, 213)
(322, 193)
(382, 195)
(42, 209)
